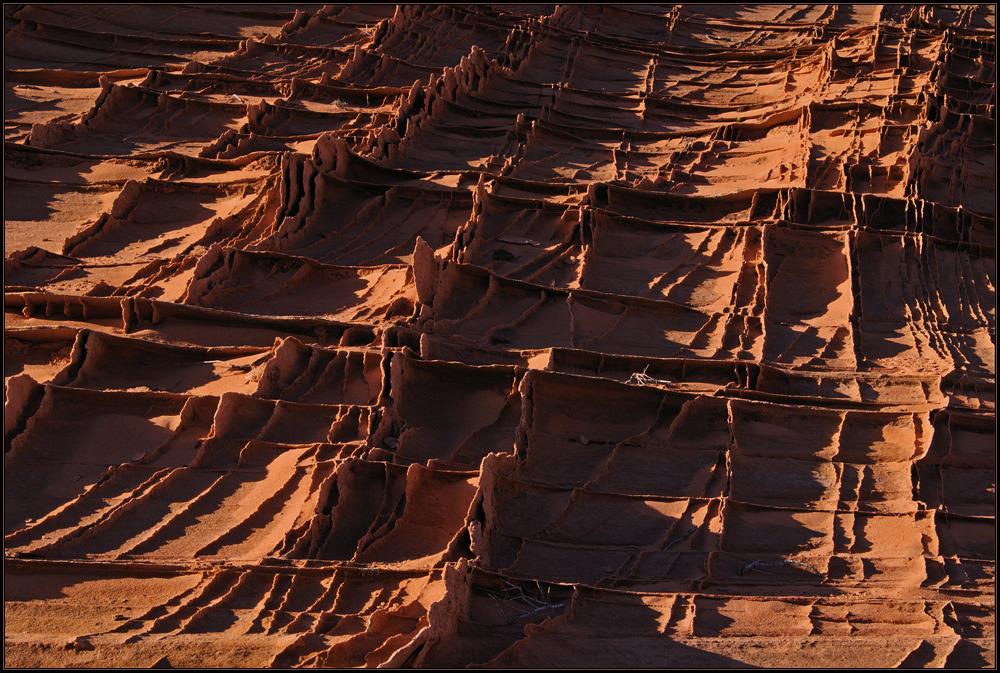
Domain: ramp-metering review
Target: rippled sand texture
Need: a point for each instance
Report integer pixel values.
(499, 336)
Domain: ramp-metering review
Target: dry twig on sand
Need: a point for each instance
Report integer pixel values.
(514, 603)
(755, 565)
(644, 379)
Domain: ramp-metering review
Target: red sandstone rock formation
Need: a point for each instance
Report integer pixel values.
(499, 336)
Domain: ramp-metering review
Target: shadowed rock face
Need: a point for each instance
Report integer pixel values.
(499, 336)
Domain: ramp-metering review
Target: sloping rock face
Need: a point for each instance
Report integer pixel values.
(499, 336)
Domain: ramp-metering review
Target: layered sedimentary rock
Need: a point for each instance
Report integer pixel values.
(500, 336)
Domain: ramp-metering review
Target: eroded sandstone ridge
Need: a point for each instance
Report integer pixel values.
(505, 335)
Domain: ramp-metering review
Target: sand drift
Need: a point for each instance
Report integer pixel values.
(499, 336)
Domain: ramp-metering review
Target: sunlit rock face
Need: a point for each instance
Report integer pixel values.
(499, 336)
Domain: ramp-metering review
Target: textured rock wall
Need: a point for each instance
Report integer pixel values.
(504, 336)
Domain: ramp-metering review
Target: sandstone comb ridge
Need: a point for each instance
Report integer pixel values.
(500, 336)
